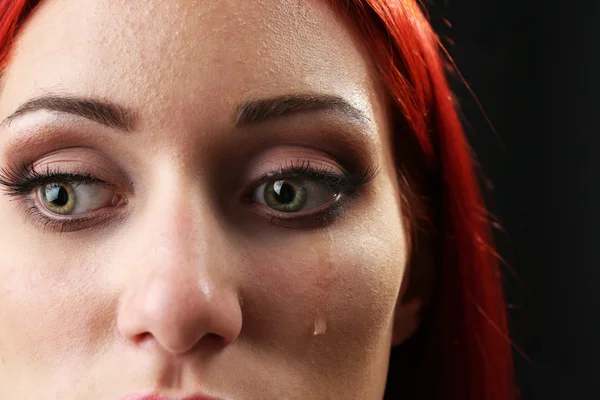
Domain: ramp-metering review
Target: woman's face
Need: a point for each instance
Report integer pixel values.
(190, 204)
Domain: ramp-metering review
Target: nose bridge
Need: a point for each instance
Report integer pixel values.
(177, 215)
(178, 292)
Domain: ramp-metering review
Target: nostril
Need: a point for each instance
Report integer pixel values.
(141, 338)
(212, 337)
(210, 340)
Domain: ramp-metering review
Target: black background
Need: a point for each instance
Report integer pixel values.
(535, 68)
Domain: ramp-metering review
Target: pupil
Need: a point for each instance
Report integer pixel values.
(62, 198)
(57, 195)
(285, 193)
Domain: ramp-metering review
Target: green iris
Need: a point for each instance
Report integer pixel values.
(288, 195)
(58, 198)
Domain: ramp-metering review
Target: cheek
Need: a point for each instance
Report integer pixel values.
(337, 287)
(53, 306)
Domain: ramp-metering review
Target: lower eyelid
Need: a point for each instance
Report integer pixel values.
(332, 206)
(45, 221)
(40, 219)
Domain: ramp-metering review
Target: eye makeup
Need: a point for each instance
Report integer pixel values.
(301, 187)
(336, 189)
(66, 190)
(35, 191)
(293, 186)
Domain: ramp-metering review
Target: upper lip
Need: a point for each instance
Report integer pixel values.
(156, 396)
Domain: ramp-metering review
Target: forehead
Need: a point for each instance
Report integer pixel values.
(179, 56)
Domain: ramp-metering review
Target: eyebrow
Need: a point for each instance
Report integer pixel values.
(248, 113)
(257, 111)
(100, 111)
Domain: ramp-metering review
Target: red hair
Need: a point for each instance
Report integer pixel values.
(462, 351)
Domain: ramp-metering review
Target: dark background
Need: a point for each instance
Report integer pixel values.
(535, 68)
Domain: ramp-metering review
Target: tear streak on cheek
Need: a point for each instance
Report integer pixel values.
(325, 291)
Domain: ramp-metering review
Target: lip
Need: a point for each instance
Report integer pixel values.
(156, 396)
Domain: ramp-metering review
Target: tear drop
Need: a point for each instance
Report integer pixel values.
(320, 326)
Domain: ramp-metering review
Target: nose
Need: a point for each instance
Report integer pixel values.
(179, 290)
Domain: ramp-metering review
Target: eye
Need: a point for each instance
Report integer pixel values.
(74, 198)
(293, 195)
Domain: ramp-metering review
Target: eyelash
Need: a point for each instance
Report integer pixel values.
(20, 181)
(345, 185)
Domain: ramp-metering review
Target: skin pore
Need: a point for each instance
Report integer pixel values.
(165, 123)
